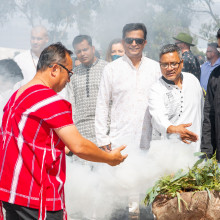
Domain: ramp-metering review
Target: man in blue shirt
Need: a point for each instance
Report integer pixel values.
(213, 60)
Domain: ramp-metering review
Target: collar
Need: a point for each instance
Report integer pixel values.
(169, 81)
(91, 65)
(127, 59)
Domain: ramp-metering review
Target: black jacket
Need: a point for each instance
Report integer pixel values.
(211, 124)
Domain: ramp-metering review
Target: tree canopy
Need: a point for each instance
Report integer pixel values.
(104, 19)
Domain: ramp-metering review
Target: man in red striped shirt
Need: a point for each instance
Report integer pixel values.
(36, 126)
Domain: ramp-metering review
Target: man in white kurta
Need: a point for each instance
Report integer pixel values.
(28, 60)
(176, 101)
(125, 83)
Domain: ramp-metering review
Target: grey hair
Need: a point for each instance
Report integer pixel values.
(170, 48)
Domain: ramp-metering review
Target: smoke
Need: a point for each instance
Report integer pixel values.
(99, 192)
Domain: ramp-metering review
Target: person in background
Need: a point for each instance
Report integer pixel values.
(176, 101)
(211, 124)
(10, 75)
(83, 88)
(213, 60)
(190, 62)
(115, 50)
(37, 125)
(27, 60)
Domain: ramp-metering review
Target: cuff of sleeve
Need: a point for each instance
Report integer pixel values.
(103, 142)
(164, 127)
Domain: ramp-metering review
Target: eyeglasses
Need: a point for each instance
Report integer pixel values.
(70, 73)
(137, 40)
(172, 65)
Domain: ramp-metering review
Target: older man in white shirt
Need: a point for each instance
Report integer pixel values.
(28, 60)
(176, 101)
(125, 84)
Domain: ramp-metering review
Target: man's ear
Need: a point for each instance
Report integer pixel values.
(54, 70)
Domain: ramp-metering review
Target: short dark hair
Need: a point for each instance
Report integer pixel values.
(218, 34)
(214, 46)
(54, 53)
(10, 69)
(78, 39)
(170, 48)
(134, 27)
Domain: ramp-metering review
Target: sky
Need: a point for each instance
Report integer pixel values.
(16, 32)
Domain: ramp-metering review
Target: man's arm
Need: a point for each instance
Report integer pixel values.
(102, 110)
(208, 143)
(85, 149)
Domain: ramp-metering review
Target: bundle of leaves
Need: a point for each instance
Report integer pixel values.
(204, 175)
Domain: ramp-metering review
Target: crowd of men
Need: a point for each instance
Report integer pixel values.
(129, 101)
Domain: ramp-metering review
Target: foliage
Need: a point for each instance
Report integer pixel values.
(204, 175)
(104, 19)
(212, 23)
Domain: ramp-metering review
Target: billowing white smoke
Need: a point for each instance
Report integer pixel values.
(106, 188)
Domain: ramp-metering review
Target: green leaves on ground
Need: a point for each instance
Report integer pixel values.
(204, 175)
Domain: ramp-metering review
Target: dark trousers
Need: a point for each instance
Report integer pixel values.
(17, 212)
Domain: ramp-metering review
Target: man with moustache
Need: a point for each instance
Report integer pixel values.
(36, 126)
(211, 124)
(176, 101)
(125, 84)
(83, 87)
(213, 60)
(27, 60)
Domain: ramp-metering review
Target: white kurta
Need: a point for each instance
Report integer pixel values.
(27, 61)
(170, 105)
(127, 88)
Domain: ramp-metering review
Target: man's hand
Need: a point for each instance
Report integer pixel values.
(185, 134)
(107, 148)
(117, 157)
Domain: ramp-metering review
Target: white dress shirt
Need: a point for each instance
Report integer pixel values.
(170, 105)
(127, 88)
(27, 61)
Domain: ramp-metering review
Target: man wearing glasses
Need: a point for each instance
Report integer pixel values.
(213, 60)
(211, 124)
(176, 101)
(125, 84)
(37, 125)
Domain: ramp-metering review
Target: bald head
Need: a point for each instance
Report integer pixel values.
(39, 39)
